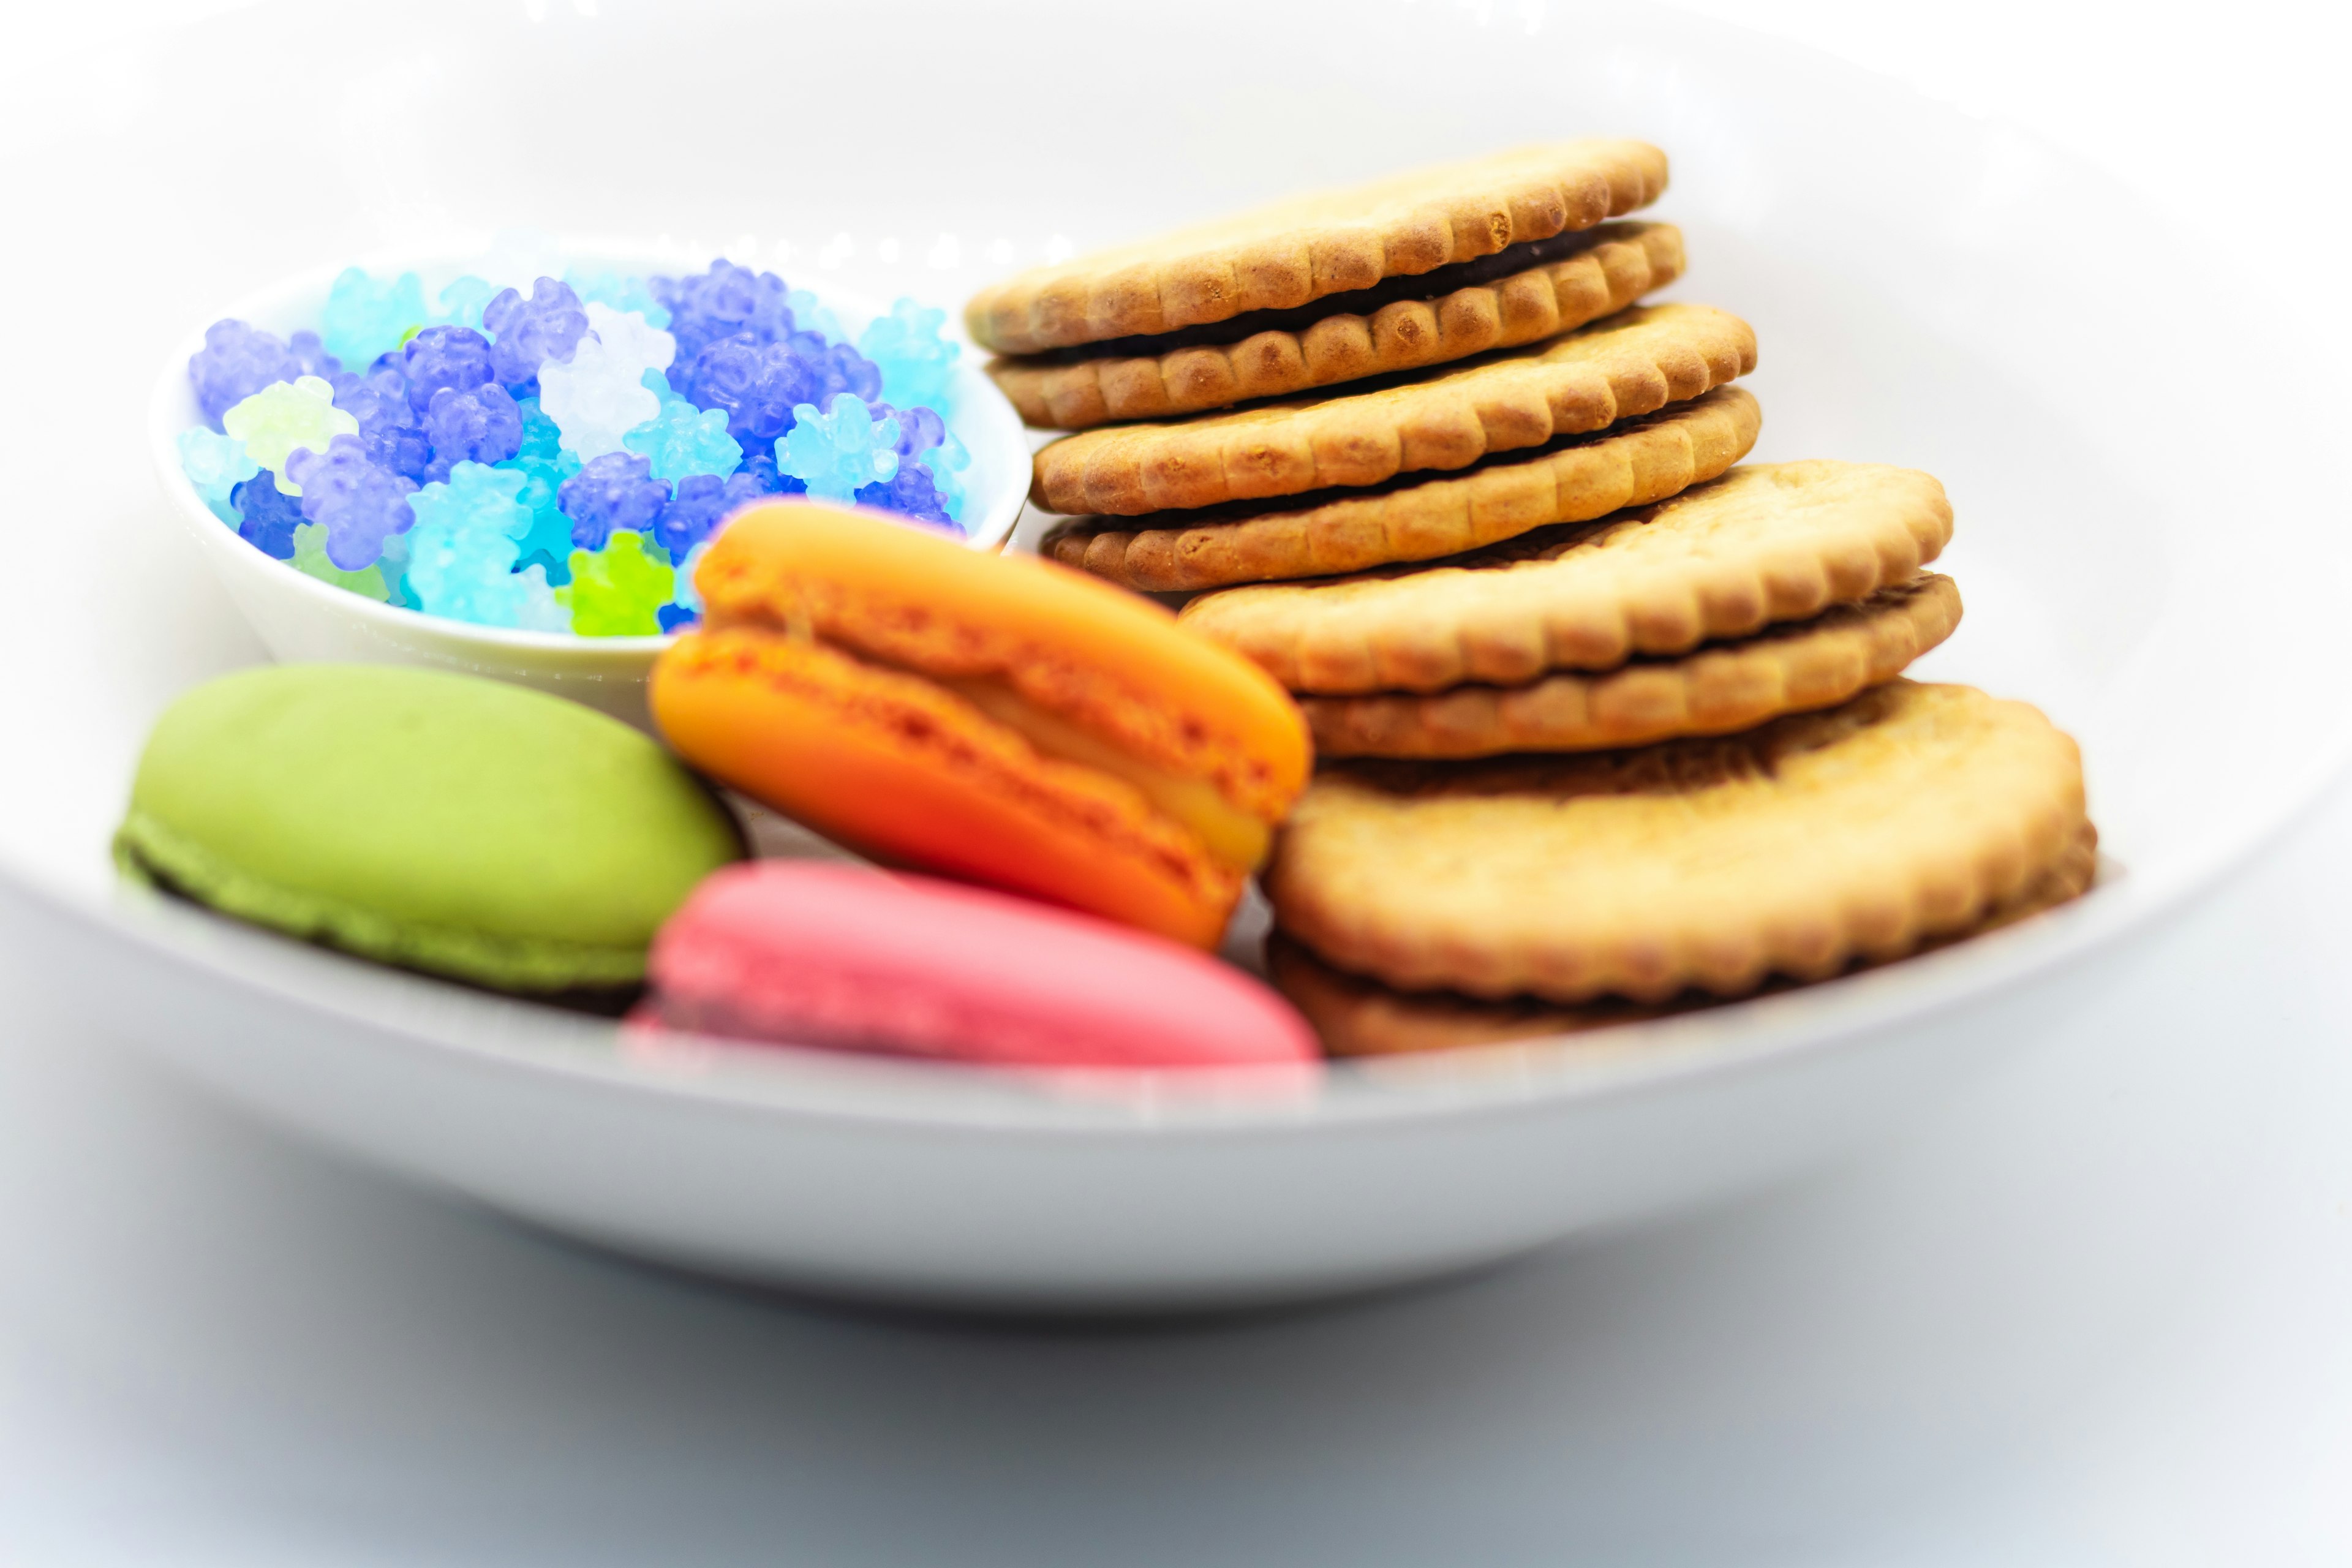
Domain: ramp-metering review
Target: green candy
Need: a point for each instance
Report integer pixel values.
(436, 821)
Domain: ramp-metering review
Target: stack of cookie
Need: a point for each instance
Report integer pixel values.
(1605, 723)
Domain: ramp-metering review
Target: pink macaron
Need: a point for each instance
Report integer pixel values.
(815, 953)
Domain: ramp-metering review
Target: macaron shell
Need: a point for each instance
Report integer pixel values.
(812, 953)
(1103, 657)
(434, 820)
(902, 770)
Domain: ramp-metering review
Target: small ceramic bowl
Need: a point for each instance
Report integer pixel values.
(297, 616)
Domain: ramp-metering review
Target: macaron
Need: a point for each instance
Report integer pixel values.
(437, 821)
(817, 953)
(998, 720)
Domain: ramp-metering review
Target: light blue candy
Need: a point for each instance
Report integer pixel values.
(463, 550)
(365, 318)
(608, 288)
(915, 359)
(658, 383)
(461, 301)
(835, 452)
(686, 598)
(217, 464)
(544, 467)
(811, 314)
(947, 462)
(683, 439)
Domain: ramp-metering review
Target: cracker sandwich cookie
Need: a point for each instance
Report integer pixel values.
(436, 821)
(1634, 362)
(1909, 814)
(1765, 543)
(1417, 518)
(1430, 266)
(996, 719)
(1714, 689)
(1354, 1016)
(808, 953)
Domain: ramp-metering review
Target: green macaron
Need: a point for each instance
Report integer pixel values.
(436, 821)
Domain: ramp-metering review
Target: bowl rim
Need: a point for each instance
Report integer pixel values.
(166, 422)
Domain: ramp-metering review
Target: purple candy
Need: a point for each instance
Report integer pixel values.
(920, 428)
(455, 357)
(844, 369)
(478, 427)
(701, 501)
(909, 493)
(237, 361)
(527, 333)
(312, 355)
(757, 384)
(757, 477)
(267, 515)
(361, 504)
(614, 491)
(723, 302)
(378, 401)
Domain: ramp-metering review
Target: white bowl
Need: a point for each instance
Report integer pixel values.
(300, 617)
(1927, 288)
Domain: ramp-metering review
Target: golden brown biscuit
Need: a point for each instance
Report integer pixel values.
(1907, 814)
(1630, 464)
(1283, 254)
(1355, 1016)
(1345, 337)
(1714, 690)
(1772, 542)
(1633, 363)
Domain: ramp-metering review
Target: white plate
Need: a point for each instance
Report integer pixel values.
(1927, 288)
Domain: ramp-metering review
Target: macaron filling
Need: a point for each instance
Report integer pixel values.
(1233, 835)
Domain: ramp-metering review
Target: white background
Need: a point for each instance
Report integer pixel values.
(2099, 1311)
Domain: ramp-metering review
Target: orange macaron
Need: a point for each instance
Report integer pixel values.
(999, 719)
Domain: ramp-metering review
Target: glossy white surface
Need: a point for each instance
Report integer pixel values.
(298, 617)
(1900, 283)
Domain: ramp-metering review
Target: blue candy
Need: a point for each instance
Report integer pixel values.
(683, 439)
(359, 504)
(916, 363)
(267, 516)
(840, 450)
(312, 355)
(755, 384)
(908, 492)
(216, 464)
(527, 333)
(378, 401)
(237, 361)
(612, 493)
(692, 514)
(456, 357)
(483, 425)
(722, 303)
(365, 318)
(920, 428)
